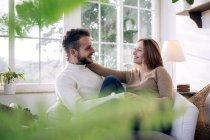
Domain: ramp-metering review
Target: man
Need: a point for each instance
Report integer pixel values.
(77, 87)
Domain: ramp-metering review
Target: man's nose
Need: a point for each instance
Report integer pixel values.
(134, 51)
(93, 50)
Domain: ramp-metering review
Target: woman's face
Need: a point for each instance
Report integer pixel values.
(138, 53)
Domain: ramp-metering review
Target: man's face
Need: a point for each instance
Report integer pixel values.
(86, 51)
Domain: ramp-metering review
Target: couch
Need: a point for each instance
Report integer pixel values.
(183, 128)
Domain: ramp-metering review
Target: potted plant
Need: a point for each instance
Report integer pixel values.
(182, 5)
(190, 2)
(8, 80)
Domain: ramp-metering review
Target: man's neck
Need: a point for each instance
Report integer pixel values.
(76, 63)
(73, 62)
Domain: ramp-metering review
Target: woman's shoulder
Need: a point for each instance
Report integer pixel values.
(160, 70)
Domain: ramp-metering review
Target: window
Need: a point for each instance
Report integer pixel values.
(3, 36)
(115, 26)
(38, 53)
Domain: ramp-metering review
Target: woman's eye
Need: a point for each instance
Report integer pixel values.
(139, 49)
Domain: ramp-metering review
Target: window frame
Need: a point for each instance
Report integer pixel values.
(76, 16)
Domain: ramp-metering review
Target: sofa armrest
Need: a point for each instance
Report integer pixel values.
(183, 128)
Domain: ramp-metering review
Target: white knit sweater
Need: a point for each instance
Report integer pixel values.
(78, 86)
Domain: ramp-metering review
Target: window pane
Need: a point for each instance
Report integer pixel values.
(130, 2)
(3, 54)
(109, 1)
(4, 7)
(53, 31)
(3, 15)
(33, 32)
(128, 57)
(27, 58)
(108, 23)
(146, 4)
(96, 54)
(90, 19)
(51, 60)
(109, 56)
(130, 25)
(145, 24)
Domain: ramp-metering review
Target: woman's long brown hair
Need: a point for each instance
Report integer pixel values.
(152, 56)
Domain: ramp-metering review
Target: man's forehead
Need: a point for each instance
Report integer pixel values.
(86, 40)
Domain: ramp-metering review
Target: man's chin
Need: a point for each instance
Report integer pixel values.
(89, 61)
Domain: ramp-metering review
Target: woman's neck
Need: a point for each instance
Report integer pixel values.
(144, 71)
(144, 68)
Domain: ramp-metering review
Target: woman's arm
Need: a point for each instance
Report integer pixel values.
(103, 71)
(164, 83)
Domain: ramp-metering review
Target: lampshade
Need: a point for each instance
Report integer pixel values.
(172, 51)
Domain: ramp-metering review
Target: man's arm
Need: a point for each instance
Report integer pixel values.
(73, 101)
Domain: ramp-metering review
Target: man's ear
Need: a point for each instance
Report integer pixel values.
(73, 52)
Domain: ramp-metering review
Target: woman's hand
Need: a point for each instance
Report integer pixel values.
(132, 96)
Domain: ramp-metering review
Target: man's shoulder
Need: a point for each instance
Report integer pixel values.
(64, 74)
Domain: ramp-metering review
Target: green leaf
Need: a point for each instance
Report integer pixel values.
(42, 13)
(173, 1)
(190, 1)
(6, 77)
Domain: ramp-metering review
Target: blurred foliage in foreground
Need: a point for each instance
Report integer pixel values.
(110, 121)
(45, 12)
(41, 13)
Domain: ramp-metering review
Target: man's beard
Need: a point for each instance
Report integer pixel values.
(83, 60)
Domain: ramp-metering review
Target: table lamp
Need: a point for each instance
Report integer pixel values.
(172, 52)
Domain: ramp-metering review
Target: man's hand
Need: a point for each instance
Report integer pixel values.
(118, 95)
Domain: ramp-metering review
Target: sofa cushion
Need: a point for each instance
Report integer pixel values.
(183, 128)
(58, 112)
(154, 135)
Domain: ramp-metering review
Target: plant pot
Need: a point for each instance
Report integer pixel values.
(10, 88)
(182, 5)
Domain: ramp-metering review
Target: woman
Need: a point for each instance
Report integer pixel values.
(149, 76)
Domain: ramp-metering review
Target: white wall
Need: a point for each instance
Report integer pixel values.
(167, 21)
(36, 102)
(168, 29)
(196, 45)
